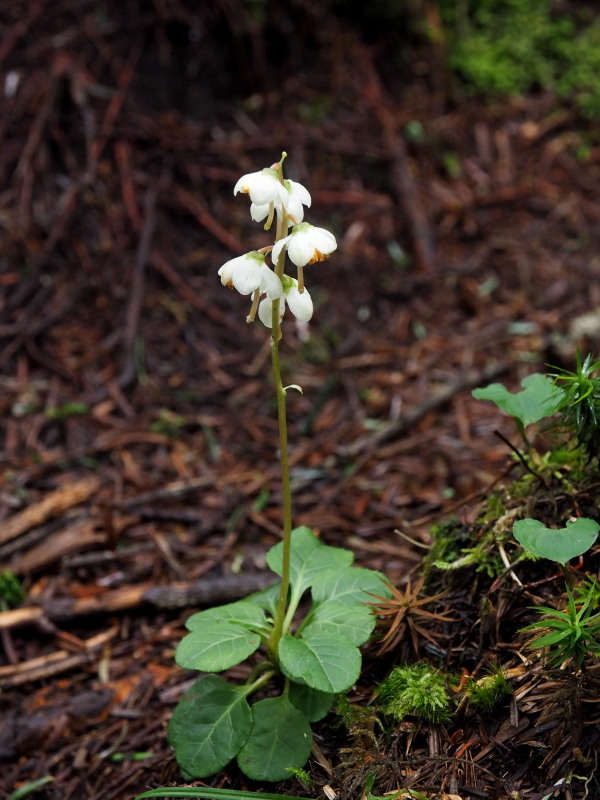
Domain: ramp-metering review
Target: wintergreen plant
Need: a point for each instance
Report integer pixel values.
(574, 632)
(302, 635)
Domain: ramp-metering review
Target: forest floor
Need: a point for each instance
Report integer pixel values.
(139, 477)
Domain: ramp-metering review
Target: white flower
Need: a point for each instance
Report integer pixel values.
(300, 303)
(297, 196)
(305, 245)
(248, 273)
(264, 187)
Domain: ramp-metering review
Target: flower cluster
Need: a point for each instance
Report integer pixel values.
(271, 196)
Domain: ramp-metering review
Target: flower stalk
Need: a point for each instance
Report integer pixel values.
(271, 196)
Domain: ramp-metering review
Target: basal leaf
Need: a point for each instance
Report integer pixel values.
(209, 726)
(266, 598)
(323, 661)
(539, 398)
(280, 738)
(350, 585)
(309, 559)
(216, 646)
(355, 622)
(244, 612)
(313, 704)
(557, 545)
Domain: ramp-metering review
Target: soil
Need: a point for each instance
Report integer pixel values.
(138, 441)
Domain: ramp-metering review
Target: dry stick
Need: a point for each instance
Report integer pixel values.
(431, 403)
(203, 592)
(404, 183)
(521, 457)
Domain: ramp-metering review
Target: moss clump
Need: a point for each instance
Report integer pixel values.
(415, 690)
(511, 47)
(484, 694)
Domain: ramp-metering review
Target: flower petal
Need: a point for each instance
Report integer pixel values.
(300, 304)
(270, 283)
(278, 246)
(265, 311)
(246, 272)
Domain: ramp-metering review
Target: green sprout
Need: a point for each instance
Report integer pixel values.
(417, 690)
(579, 405)
(574, 632)
(11, 590)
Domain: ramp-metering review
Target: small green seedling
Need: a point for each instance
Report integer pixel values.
(574, 632)
(580, 403)
(539, 398)
(557, 545)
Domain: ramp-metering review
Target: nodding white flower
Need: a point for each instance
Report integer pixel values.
(264, 187)
(297, 197)
(249, 273)
(300, 303)
(305, 245)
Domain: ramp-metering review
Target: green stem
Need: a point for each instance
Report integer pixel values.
(280, 611)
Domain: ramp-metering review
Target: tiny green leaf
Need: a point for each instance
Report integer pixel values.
(323, 661)
(280, 738)
(209, 726)
(309, 559)
(540, 398)
(313, 704)
(557, 545)
(266, 598)
(216, 646)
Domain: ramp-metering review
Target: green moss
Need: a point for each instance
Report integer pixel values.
(486, 693)
(512, 47)
(416, 690)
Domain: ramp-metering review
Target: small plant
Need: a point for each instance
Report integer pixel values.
(574, 632)
(302, 635)
(579, 405)
(11, 590)
(417, 690)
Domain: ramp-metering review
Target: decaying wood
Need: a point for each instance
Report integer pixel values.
(52, 505)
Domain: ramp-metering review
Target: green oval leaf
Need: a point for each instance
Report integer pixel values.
(350, 585)
(244, 612)
(209, 726)
(322, 661)
(216, 646)
(354, 622)
(540, 398)
(280, 738)
(557, 545)
(309, 559)
(313, 704)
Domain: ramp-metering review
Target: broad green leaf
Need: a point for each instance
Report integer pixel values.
(539, 398)
(216, 646)
(280, 738)
(350, 585)
(209, 726)
(557, 545)
(244, 612)
(309, 559)
(313, 704)
(323, 661)
(355, 622)
(266, 598)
